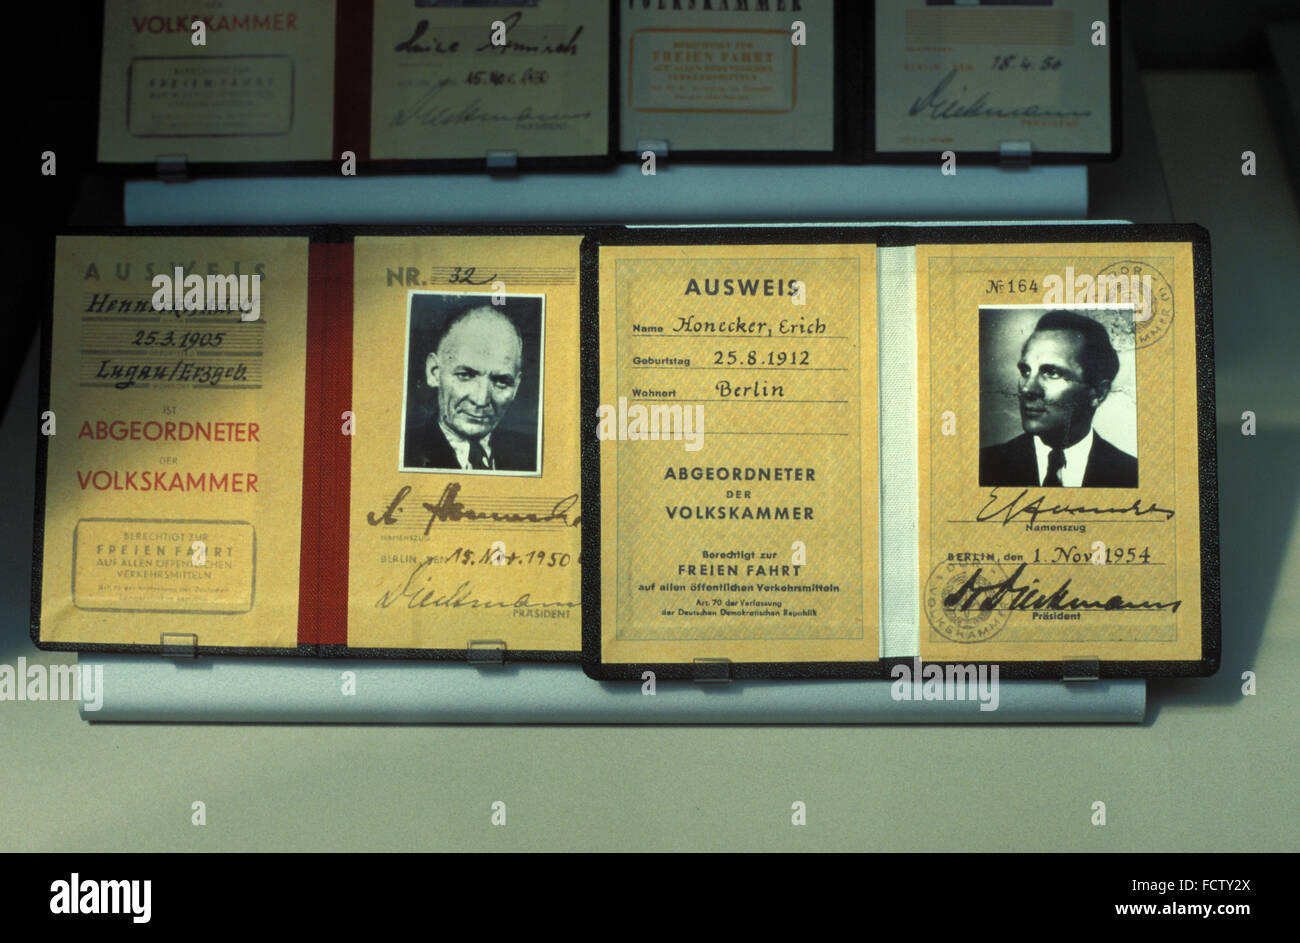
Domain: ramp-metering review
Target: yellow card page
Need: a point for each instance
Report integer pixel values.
(748, 76)
(1058, 473)
(971, 77)
(260, 87)
(453, 81)
(175, 444)
(738, 461)
(465, 506)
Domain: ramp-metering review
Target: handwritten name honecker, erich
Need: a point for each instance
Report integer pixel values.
(1122, 289)
(183, 292)
(637, 422)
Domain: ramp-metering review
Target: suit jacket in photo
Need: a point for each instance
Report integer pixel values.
(427, 447)
(1015, 464)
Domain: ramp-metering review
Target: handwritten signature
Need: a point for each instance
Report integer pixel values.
(1012, 509)
(449, 508)
(1027, 597)
(420, 594)
(437, 46)
(428, 111)
(563, 48)
(940, 106)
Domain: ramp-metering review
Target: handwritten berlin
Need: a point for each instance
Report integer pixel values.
(961, 683)
(637, 422)
(181, 292)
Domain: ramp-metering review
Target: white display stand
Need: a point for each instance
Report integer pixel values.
(676, 194)
(266, 690)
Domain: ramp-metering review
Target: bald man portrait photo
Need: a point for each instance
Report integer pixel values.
(1066, 367)
(468, 362)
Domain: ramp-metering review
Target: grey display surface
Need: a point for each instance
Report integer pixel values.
(246, 690)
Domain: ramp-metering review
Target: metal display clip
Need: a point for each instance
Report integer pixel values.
(1081, 668)
(502, 161)
(657, 147)
(712, 671)
(1015, 155)
(486, 653)
(178, 645)
(172, 168)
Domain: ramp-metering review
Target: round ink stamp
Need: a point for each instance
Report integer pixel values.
(954, 602)
(1152, 298)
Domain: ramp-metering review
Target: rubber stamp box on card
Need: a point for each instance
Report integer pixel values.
(727, 82)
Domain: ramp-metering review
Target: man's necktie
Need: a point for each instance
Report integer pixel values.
(1055, 462)
(477, 457)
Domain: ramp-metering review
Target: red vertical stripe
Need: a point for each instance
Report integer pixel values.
(353, 38)
(308, 570)
(336, 478)
(327, 452)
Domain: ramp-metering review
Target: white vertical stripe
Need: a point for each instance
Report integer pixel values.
(899, 584)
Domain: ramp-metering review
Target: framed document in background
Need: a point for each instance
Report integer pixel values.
(392, 85)
(457, 82)
(993, 80)
(259, 90)
(744, 82)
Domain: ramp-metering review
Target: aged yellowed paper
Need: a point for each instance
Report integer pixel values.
(738, 467)
(460, 81)
(465, 511)
(967, 77)
(1058, 475)
(260, 86)
(740, 77)
(175, 445)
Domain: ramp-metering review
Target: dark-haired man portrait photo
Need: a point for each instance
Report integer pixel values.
(1066, 368)
(467, 372)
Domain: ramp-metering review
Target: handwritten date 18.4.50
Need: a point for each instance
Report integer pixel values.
(499, 557)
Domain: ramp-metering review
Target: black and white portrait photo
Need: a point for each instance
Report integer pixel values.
(473, 391)
(1058, 397)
